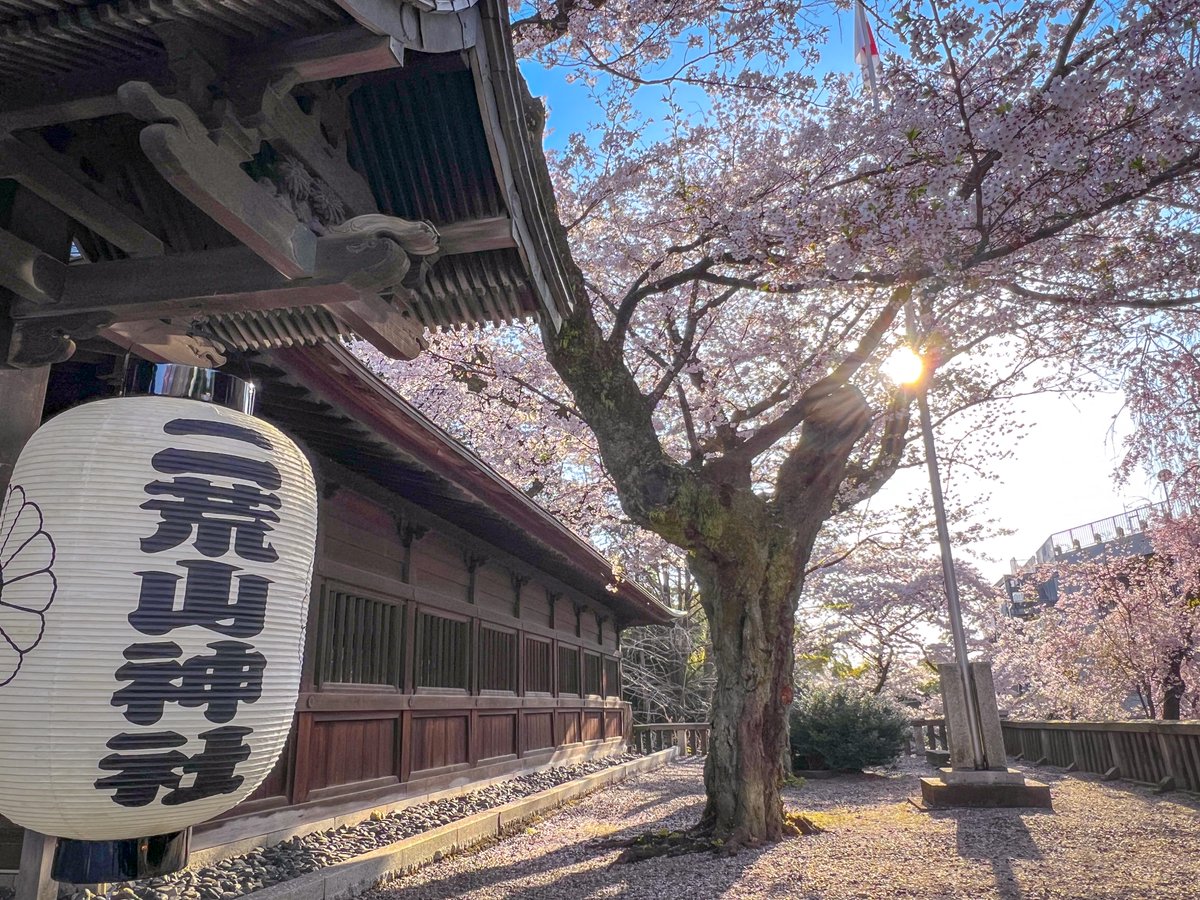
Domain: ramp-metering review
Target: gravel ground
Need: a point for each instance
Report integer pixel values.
(1103, 840)
(232, 878)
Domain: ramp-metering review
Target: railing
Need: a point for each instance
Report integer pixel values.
(1122, 525)
(926, 735)
(689, 737)
(1165, 754)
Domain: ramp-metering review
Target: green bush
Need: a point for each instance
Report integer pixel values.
(842, 728)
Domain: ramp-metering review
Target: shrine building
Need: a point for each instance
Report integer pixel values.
(246, 186)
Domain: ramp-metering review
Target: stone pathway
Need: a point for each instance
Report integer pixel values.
(1104, 840)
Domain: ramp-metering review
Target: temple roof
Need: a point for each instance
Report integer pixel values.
(188, 140)
(220, 180)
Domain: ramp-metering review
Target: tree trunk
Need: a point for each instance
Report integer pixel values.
(1173, 688)
(749, 597)
(746, 550)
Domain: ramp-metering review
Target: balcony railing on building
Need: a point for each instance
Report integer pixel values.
(1102, 531)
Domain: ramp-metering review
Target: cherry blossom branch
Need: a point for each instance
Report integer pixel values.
(1184, 301)
(554, 27)
(865, 481)
(766, 436)
(1060, 69)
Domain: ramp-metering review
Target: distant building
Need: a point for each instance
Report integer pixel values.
(1026, 587)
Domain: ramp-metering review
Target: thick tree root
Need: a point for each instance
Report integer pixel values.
(798, 824)
(703, 839)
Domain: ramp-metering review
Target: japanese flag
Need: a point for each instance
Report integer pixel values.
(866, 54)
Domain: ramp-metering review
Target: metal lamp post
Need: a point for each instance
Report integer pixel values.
(951, 580)
(989, 782)
(918, 377)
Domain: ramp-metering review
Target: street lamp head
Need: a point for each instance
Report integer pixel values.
(904, 366)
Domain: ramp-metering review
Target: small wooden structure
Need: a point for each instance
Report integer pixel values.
(242, 185)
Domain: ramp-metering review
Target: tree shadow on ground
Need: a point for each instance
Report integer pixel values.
(849, 791)
(997, 837)
(612, 879)
(656, 798)
(1137, 789)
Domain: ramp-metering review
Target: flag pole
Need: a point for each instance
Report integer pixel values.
(866, 53)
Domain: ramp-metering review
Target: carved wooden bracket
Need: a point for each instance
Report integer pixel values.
(176, 142)
(409, 532)
(34, 276)
(418, 238)
(166, 342)
(281, 122)
(518, 582)
(245, 106)
(473, 561)
(43, 342)
(353, 272)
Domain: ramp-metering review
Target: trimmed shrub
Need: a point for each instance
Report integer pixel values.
(842, 728)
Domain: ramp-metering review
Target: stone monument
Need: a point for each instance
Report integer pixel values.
(962, 784)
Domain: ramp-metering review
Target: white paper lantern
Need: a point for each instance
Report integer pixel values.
(155, 561)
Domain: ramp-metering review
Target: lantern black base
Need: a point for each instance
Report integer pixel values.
(94, 862)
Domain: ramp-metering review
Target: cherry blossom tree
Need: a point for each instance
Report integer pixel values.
(1122, 639)
(667, 672)
(742, 235)
(1162, 386)
(878, 615)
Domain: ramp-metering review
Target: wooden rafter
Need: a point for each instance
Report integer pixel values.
(49, 100)
(178, 146)
(231, 279)
(56, 180)
(350, 51)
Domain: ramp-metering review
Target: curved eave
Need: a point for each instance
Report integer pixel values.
(337, 377)
(521, 162)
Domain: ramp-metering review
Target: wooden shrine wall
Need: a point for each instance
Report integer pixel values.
(431, 664)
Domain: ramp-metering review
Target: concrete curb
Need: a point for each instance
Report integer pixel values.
(354, 876)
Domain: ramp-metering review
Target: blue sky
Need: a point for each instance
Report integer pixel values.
(1060, 476)
(571, 108)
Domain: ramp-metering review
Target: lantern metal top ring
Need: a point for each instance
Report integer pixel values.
(190, 383)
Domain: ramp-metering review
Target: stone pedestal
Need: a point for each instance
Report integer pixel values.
(961, 784)
(958, 734)
(983, 789)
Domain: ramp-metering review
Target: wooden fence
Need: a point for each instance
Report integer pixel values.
(1165, 754)
(926, 734)
(692, 737)
(689, 737)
